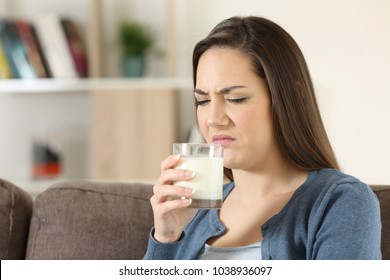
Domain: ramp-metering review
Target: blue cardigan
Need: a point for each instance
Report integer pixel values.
(331, 216)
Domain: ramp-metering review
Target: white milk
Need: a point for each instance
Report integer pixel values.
(208, 180)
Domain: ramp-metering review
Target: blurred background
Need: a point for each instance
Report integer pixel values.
(102, 125)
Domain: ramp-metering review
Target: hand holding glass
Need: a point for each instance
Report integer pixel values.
(206, 160)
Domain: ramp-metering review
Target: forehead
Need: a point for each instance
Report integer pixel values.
(224, 65)
(225, 56)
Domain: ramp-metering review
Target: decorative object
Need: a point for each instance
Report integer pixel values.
(135, 40)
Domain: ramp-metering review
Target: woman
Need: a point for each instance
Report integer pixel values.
(287, 198)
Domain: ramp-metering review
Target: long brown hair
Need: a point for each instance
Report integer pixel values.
(276, 57)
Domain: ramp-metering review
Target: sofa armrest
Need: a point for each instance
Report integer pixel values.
(15, 213)
(383, 194)
(91, 220)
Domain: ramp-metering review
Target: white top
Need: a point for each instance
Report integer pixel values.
(249, 252)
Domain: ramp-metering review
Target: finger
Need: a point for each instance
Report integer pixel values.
(169, 162)
(165, 192)
(170, 175)
(170, 205)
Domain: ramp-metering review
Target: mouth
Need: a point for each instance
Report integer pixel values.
(222, 139)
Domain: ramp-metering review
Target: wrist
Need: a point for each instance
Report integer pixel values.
(166, 238)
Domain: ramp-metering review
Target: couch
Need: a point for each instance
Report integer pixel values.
(94, 220)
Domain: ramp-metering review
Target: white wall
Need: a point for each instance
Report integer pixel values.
(347, 47)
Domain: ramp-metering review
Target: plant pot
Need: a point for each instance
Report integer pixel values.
(133, 66)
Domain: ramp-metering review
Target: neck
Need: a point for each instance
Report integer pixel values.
(270, 180)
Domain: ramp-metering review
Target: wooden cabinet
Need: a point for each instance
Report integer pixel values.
(132, 131)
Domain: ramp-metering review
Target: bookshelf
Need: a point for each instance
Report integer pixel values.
(129, 125)
(30, 86)
(122, 117)
(117, 119)
(47, 46)
(98, 21)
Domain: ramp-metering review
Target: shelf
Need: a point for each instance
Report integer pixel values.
(13, 86)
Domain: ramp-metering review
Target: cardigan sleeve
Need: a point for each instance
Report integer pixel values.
(350, 226)
(160, 250)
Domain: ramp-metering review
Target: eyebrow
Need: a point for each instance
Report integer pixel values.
(222, 91)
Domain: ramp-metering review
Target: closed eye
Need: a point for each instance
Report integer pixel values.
(202, 102)
(237, 100)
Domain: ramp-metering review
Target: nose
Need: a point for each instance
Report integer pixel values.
(217, 116)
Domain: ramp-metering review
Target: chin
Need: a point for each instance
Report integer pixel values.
(230, 163)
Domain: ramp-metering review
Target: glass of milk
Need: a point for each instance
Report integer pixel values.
(206, 160)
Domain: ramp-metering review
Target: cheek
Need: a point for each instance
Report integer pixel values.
(254, 123)
(201, 122)
(246, 119)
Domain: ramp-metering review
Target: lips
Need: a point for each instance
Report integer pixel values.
(223, 139)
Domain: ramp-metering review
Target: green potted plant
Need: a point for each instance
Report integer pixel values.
(135, 40)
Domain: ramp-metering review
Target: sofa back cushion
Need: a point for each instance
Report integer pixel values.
(91, 220)
(15, 213)
(383, 194)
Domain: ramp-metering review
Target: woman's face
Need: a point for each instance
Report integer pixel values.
(233, 108)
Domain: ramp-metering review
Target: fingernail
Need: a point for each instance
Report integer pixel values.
(189, 173)
(190, 191)
(187, 201)
(176, 157)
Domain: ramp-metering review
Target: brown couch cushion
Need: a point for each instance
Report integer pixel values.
(91, 220)
(15, 213)
(88, 220)
(383, 194)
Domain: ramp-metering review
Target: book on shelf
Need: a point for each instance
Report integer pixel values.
(15, 50)
(33, 52)
(48, 47)
(76, 46)
(55, 46)
(5, 70)
(40, 51)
